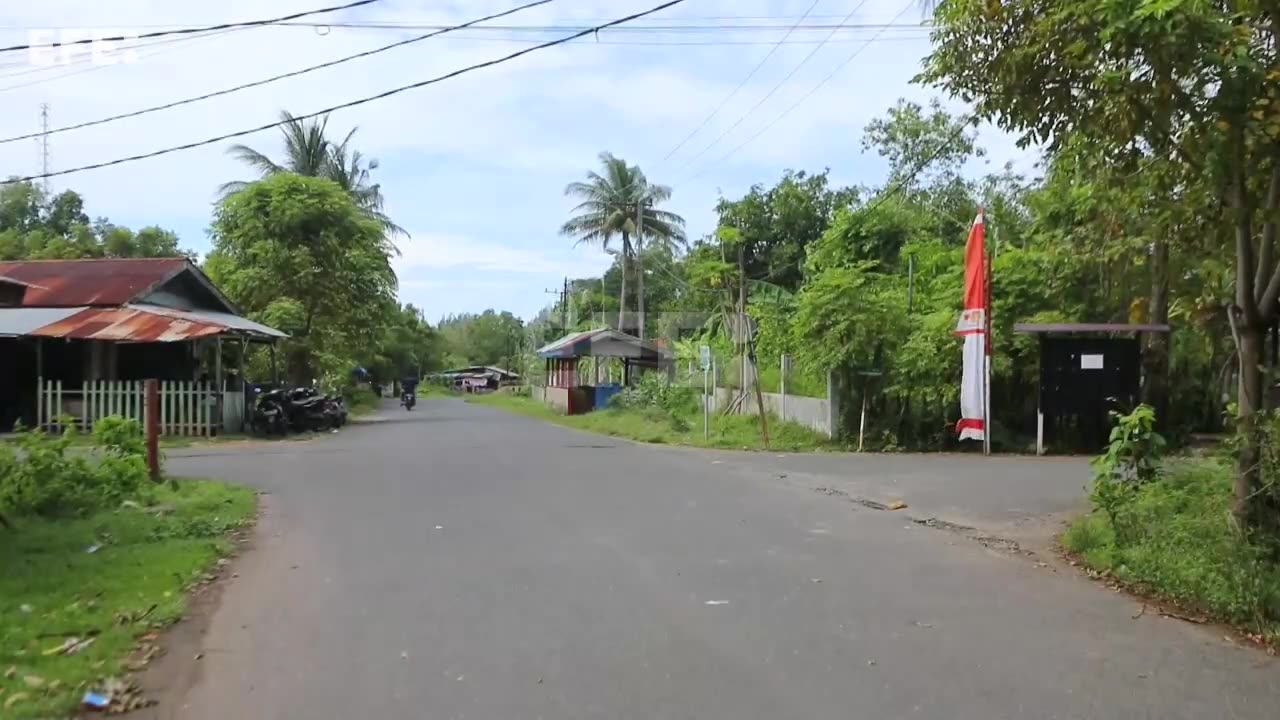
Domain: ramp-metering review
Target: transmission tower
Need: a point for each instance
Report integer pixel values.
(44, 146)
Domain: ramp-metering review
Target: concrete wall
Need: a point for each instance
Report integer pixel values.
(557, 398)
(814, 413)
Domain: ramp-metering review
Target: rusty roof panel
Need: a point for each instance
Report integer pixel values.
(95, 282)
(127, 325)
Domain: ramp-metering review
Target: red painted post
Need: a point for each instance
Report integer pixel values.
(153, 429)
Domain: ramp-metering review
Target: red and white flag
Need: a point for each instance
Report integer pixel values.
(973, 328)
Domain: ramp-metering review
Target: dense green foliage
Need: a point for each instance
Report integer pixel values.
(867, 282)
(36, 227)
(41, 477)
(1175, 105)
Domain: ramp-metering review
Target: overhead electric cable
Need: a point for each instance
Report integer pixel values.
(265, 81)
(352, 103)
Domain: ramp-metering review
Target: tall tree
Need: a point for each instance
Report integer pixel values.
(620, 201)
(309, 151)
(1192, 82)
(296, 253)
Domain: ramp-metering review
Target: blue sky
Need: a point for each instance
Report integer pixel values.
(473, 167)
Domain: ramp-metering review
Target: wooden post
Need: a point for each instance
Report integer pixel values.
(153, 429)
(219, 388)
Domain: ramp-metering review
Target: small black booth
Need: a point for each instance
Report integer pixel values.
(1086, 371)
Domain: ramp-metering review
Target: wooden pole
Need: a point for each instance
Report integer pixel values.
(153, 429)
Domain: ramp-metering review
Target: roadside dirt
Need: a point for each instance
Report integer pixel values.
(169, 677)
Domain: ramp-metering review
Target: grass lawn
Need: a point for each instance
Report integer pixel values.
(1176, 542)
(735, 432)
(53, 589)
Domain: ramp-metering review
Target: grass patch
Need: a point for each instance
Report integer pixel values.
(52, 589)
(1177, 542)
(652, 425)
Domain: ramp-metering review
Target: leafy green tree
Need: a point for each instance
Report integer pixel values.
(297, 253)
(310, 152)
(1194, 82)
(33, 227)
(619, 201)
(778, 223)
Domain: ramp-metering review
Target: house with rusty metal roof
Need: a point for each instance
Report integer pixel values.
(78, 336)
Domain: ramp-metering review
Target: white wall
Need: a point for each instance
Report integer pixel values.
(813, 413)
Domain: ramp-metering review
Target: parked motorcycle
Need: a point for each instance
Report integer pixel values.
(269, 416)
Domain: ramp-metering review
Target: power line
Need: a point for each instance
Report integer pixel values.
(632, 29)
(352, 103)
(190, 39)
(799, 102)
(696, 43)
(266, 81)
(193, 30)
(741, 85)
(773, 90)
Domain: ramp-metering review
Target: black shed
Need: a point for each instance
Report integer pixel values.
(1086, 371)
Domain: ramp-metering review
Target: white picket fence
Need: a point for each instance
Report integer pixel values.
(186, 408)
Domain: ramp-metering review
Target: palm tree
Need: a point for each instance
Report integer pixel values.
(620, 202)
(308, 151)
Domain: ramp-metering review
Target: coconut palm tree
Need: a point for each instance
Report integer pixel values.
(620, 202)
(308, 151)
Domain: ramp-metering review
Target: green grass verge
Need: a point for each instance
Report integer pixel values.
(52, 589)
(1177, 542)
(736, 432)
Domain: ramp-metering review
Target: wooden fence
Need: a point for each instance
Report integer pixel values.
(186, 408)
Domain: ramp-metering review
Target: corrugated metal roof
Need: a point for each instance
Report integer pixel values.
(227, 320)
(580, 344)
(127, 324)
(16, 322)
(94, 282)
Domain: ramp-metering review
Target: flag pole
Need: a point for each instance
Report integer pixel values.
(988, 261)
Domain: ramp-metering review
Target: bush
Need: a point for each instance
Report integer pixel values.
(653, 391)
(1181, 544)
(42, 479)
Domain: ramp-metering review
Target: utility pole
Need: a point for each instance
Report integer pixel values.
(44, 146)
(564, 304)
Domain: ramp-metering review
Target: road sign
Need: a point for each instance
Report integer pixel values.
(704, 357)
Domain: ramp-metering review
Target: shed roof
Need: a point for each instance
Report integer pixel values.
(1038, 328)
(604, 342)
(91, 282)
(147, 324)
(126, 324)
(19, 321)
(233, 324)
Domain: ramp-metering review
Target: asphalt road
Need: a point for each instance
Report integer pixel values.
(457, 562)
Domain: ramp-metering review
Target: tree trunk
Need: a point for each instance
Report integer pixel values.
(622, 295)
(639, 268)
(1155, 386)
(1251, 340)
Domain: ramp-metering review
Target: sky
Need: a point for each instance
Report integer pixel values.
(473, 167)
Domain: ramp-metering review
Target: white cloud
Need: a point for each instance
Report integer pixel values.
(430, 251)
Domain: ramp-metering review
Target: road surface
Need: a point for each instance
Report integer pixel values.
(457, 562)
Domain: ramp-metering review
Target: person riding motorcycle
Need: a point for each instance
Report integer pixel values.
(409, 391)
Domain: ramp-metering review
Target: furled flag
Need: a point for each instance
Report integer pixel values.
(973, 328)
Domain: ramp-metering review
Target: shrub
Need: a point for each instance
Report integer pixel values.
(43, 479)
(1132, 459)
(654, 391)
